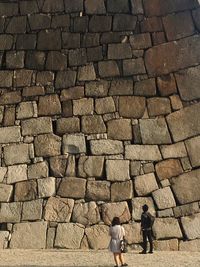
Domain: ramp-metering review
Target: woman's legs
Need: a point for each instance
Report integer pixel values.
(121, 258)
(116, 258)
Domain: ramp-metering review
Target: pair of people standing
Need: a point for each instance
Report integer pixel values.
(117, 234)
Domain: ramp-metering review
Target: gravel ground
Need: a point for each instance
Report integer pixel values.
(61, 258)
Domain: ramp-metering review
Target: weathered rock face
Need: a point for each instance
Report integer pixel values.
(99, 115)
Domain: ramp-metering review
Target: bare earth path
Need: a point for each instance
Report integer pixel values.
(61, 258)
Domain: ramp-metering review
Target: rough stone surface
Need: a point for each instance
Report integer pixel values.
(58, 209)
(10, 212)
(74, 144)
(46, 187)
(91, 166)
(38, 170)
(4, 235)
(98, 190)
(93, 124)
(17, 173)
(191, 226)
(167, 245)
(192, 245)
(121, 191)
(5, 192)
(166, 85)
(185, 210)
(37, 126)
(168, 168)
(14, 154)
(10, 135)
(117, 170)
(69, 235)
(25, 190)
(145, 88)
(67, 125)
(154, 131)
(86, 213)
(47, 145)
(49, 105)
(186, 120)
(131, 106)
(129, 230)
(32, 210)
(105, 147)
(104, 105)
(29, 235)
(186, 187)
(98, 237)
(111, 210)
(72, 187)
(158, 106)
(145, 184)
(119, 129)
(193, 146)
(177, 150)
(142, 152)
(164, 198)
(166, 228)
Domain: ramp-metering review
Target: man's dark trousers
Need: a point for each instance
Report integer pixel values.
(147, 234)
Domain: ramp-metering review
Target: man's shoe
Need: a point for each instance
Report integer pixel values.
(124, 264)
(151, 252)
(143, 252)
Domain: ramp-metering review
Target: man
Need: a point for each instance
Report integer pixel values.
(147, 221)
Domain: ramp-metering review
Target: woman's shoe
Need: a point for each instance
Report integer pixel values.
(124, 264)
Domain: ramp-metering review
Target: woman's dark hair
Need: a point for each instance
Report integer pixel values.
(115, 221)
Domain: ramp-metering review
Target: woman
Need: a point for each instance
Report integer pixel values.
(117, 234)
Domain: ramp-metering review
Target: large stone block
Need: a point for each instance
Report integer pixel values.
(184, 123)
(121, 87)
(8, 9)
(26, 41)
(67, 125)
(164, 228)
(93, 124)
(5, 81)
(26, 110)
(138, 203)
(65, 79)
(4, 236)
(10, 212)
(35, 60)
(95, 7)
(47, 145)
(39, 21)
(84, 106)
(191, 226)
(86, 213)
(98, 190)
(193, 146)
(154, 131)
(104, 105)
(46, 187)
(6, 41)
(117, 170)
(72, 187)
(5, 192)
(73, 6)
(166, 245)
(106, 147)
(166, 85)
(196, 17)
(17, 24)
(90, 166)
(145, 184)
(77, 57)
(70, 40)
(29, 235)
(159, 8)
(9, 116)
(111, 210)
(76, 92)
(49, 105)
(140, 41)
(178, 26)
(192, 245)
(23, 78)
(27, 7)
(121, 191)
(168, 168)
(164, 198)
(158, 106)
(119, 51)
(124, 22)
(131, 106)
(118, 6)
(32, 210)
(185, 210)
(15, 60)
(49, 40)
(98, 236)
(120, 129)
(74, 144)
(188, 81)
(100, 23)
(153, 24)
(25, 190)
(96, 88)
(142, 152)
(137, 7)
(17, 173)
(108, 69)
(177, 150)
(145, 88)
(58, 165)
(69, 235)
(58, 209)
(186, 50)
(10, 97)
(36, 126)
(53, 6)
(16, 153)
(56, 61)
(186, 187)
(129, 230)
(133, 67)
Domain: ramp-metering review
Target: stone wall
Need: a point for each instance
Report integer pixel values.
(99, 114)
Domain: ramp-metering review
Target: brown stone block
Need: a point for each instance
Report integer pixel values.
(60, 21)
(133, 66)
(10, 98)
(95, 53)
(35, 60)
(49, 105)
(80, 24)
(140, 41)
(8, 9)
(53, 6)
(93, 124)
(67, 109)
(160, 59)
(158, 106)
(119, 51)
(70, 40)
(104, 105)
(47, 145)
(131, 106)
(26, 190)
(120, 129)
(77, 57)
(6, 78)
(67, 125)
(118, 6)
(72, 187)
(56, 61)
(168, 168)
(73, 6)
(65, 79)
(28, 7)
(33, 91)
(123, 22)
(23, 78)
(76, 92)
(6, 41)
(145, 88)
(15, 60)
(100, 23)
(49, 40)
(26, 41)
(121, 191)
(158, 38)
(17, 25)
(98, 190)
(108, 69)
(9, 116)
(95, 7)
(39, 21)
(178, 26)
(166, 85)
(86, 73)
(153, 24)
(90, 39)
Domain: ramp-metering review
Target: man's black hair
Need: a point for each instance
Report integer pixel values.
(145, 208)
